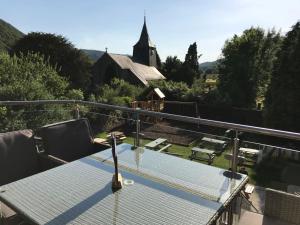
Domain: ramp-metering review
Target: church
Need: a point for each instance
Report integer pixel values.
(138, 69)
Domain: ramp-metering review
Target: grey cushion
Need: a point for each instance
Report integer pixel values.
(6, 212)
(18, 156)
(68, 140)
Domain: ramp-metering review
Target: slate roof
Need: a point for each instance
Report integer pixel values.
(142, 72)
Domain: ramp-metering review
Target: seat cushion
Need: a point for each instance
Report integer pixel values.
(69, 140)
(9, 217)
(18, 156)
(6, 212)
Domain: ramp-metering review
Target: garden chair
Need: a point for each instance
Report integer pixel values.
(68, 140)
(19, 159)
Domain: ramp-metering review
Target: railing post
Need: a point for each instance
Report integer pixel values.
(235, 151)
(137, 141)
(77, 113)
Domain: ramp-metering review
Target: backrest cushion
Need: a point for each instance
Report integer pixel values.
(68, 140)
(283, 206)
(18, 156)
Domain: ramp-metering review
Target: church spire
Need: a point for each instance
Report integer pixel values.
(144, 50)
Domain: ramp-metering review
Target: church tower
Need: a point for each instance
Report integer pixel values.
(144, 51)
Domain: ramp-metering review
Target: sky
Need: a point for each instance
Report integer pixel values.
(172, 24)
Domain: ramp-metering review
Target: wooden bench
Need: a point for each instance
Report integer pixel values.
(210, 153)
(155, 144)
(120, 136)
(240, 159)
(101, 141)
(165, 147)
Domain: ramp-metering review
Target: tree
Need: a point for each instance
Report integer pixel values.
(174, 91)
(28, 78)
(190, 68)
(191, 58)
(158, 61)
(282, 105)
(246, 66)
(68, 61)
(171, 67)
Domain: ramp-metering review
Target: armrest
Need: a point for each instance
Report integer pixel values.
(38, 141)
(98, 147)
(50, 161)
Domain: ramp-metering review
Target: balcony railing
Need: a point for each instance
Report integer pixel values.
(183, 132)
(237, 128)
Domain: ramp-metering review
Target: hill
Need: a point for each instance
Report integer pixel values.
(94, 55)
(208, 65)
(8, 35)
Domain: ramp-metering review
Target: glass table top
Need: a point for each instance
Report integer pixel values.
(209, 182)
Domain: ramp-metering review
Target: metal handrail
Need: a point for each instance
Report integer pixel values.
(221, 124)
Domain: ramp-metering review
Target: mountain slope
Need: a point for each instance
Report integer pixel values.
(8, 35)
(208, 65)
(94, 55)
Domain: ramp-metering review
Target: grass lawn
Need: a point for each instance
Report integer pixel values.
(263, 175)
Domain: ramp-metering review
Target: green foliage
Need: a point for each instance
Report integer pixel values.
(75, 94)
(28, 78)
(8, 35)
(171, 67)
(173, 90)
(68, 61)
(118, 92)
(245, 70)
(186, 72)
(198, 88)
(282, 108)
(191, 58)
(158, 61)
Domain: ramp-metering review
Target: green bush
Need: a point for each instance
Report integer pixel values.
(118, 92)
(29, 78)
(174, 91)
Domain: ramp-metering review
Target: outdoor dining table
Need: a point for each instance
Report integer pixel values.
(158, 188)
(156, 143)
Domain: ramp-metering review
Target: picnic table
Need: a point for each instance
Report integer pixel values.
(201, 152)
(158, 188)
(240, 159)
(249, 151)
(154, 144)
(214, 141)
